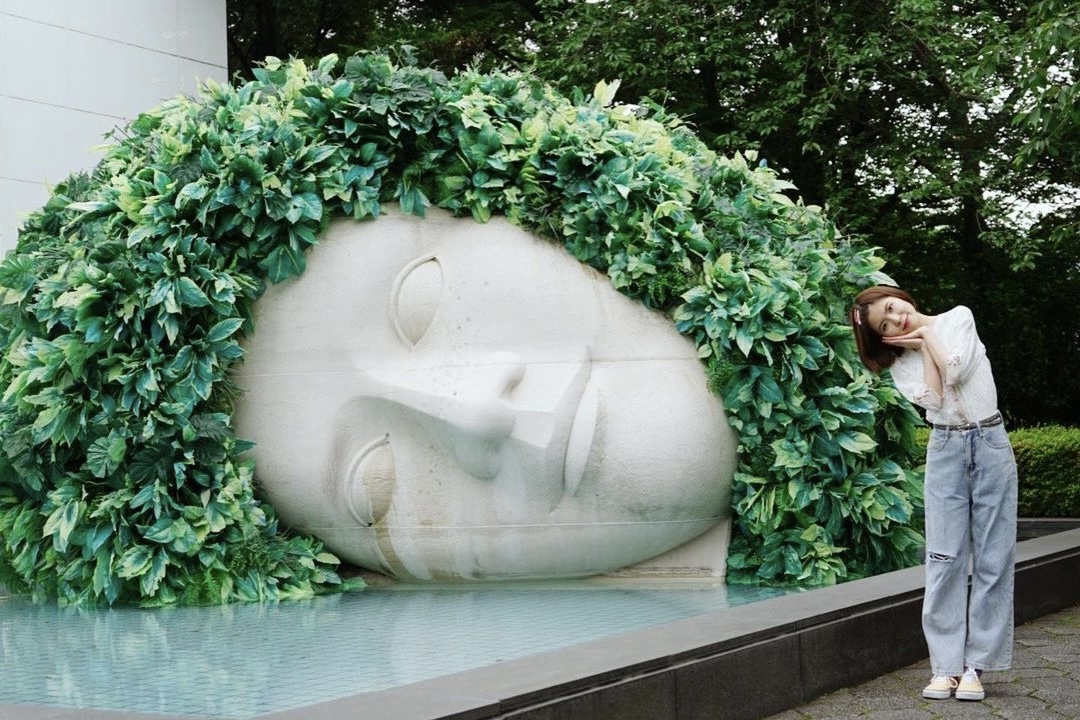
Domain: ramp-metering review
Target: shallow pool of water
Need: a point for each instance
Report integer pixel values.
(243, 660)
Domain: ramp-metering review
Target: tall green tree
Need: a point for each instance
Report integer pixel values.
(944, 133)
(447, 33)
(309, 28)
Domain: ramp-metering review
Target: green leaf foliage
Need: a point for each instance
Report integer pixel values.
(121, 479)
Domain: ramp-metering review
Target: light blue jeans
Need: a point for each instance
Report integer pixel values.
(970, 493)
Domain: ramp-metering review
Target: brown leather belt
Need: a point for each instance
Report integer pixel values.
(991, 421)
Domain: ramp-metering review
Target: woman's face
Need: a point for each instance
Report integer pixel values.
(440, 399)
(890, 316)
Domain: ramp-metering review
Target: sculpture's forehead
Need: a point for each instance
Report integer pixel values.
(400, 285)
(479, 258)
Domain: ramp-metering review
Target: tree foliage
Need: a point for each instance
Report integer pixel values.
(311, 28)
(447, 33)
(943, 133)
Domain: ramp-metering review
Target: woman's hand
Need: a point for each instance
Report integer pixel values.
(924, 341)
(913, 340)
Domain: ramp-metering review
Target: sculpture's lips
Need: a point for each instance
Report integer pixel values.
(579, 444)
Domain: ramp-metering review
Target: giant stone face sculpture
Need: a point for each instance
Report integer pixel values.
(438, 399)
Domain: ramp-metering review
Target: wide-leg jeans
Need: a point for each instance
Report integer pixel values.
(970, 495)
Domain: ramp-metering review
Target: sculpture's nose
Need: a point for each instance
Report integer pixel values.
(465, 400)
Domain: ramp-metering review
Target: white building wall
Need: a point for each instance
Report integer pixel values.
(72, 70)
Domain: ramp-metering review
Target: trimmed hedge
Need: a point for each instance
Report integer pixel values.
(1048, 463)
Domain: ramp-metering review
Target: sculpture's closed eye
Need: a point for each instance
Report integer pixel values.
(415, 299)
(370, 482)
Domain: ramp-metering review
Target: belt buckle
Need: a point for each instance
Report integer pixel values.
(989, 422)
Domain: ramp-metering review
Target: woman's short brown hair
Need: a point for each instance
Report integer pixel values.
(875, 354)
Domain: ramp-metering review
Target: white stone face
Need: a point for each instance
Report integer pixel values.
(439, 399)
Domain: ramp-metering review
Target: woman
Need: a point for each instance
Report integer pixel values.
(939, 363)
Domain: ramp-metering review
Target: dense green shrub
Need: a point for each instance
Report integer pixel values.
(122, 306)
(1048, 465)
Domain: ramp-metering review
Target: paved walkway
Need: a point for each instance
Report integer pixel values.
(1044, 683)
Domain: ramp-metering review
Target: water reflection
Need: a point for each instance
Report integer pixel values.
(240, 661)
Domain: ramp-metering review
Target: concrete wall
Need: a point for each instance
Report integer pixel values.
(72, 70)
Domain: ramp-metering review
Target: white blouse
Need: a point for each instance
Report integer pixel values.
(969, 391)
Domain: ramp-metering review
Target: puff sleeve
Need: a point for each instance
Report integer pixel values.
(907, 375)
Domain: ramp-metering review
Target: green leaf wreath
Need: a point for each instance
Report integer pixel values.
(121, 478)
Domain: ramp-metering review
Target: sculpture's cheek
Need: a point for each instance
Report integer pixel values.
(667, 451)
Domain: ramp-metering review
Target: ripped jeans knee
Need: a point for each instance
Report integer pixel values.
(939, 557)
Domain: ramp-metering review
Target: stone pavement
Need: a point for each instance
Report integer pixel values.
(1044, 683)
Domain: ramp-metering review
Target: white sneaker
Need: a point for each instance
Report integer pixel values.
(970, 687)
(941, 687)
